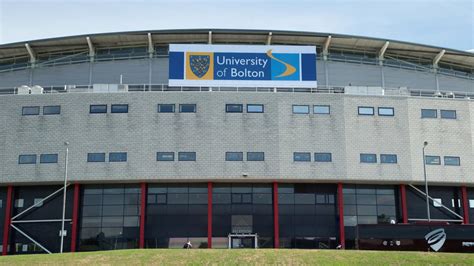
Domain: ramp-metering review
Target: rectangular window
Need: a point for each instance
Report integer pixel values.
(19, 203)
(429, 113)
(321, 109)
(448, 114)
(433, 160)
(255, 156)
(165, 108)
(119, 108)
(48, 158)
(117, 157)
(300, 109)
(30, 110)
(38, 201)
(437, 202)
(27, 159)
(234, 156)
(95, 157)
(98, 109)
(363, 110)
(234, 108)
(186, 156)
(368, 158)
(302, 157)
(187, 108)
(254, 108)
(388, 158)
(471, 203)
(165, 156)
(452, 160)
(386, 111)
(322, 157)
(51, 110)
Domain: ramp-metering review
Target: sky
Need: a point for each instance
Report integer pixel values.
(444, 23)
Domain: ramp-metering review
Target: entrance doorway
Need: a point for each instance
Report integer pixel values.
(243, 241)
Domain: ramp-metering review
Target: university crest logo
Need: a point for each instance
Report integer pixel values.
(199, 64)
(436, 239)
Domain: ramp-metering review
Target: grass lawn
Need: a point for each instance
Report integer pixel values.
(242, 257)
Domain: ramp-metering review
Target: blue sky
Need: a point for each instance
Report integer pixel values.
(448, 23)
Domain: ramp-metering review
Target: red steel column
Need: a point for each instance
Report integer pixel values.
(465, 207)
(403, 197)
(143, 196)
(75, 215)
(6, 225)
(340, 202)
(276, 222)
(209, 215)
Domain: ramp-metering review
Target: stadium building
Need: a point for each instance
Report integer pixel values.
(320, 141)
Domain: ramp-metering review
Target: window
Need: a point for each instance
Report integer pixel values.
(165, 156)
(187, 108)
(31, 110)
(368, 158)
(19, 203)
(119, 108)
(366, 110)
(452, 160)
(234, 108)
(186, 156)
(95, 157)
(437, 202)
(117, 157)
(300, 109)
(386, 111)
(38, 201)
(448, 114)
(429, 113)
(471, 203)
(432, 160)
(234, 156)
(254, 108)
(98, 109)
(27, 159)
(165, 108)
(321, 109)
(255, 156)
(302, 157)
(322, 157)
(51, 110)
(48, 158)
(388, 158)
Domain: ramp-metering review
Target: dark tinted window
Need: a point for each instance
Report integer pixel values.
(366, 110)
(429, 113)
(300, 109)
(301, 156)
(322, 157)
(452, 160)
(234, 156)
(117, 157)
(186, 156)
(368, 158)
(165, 108)
(31, 110)
(255, 156)
(98, 109)
(96, 157)
(386, 111)
(254, 108)
(388, 158)
(165, 156)
(119, 108)
(234, 108)
(448, 114)
(52, 110)
(27, 159)
(321, 109)
(433, 160)
(48, 158)
(187, 108)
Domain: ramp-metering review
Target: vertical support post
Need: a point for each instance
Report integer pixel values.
(276, 222)
(75, 215)
(340, 203)
(403, 197)
(209, 215)
(465, 207)
(8, 215)
(143, 195)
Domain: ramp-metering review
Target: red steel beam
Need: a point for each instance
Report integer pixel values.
(143, 196)
(465, 207)
(340, 203)
(75, 215)
(209, 215)
(276, 222)
(8, 215)
(403, 197)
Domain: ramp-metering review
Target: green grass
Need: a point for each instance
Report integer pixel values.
(242, 257)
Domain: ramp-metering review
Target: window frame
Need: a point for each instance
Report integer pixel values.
(89, 154)
(301, 153)
(166, 104)
(365, 107)
(42, 158)
(187, 104)
(227, 105)
(98, 105)
(27, 155)
(432, 157)
(386, 162)
(300, 105)
(444, 111)
(239, 159)
(120, 111)
(256, 152)
(164, 153)
(187, 152)
(319, 113)
(112, 154)
(385, 108)
(323, 153)
(370, 162)
(452, 157)
(52, 106)
(429, 117)
(255, 112)
(30, 107)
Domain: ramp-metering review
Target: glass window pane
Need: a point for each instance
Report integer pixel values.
(130, 221)
(350, 220)
(96, 157)
(186, 156)
(452, 160)
(113, 199)
(432, 160)
(27, 159)
(286, 198)
(262, 198)
(255, 156)
(366, 199)
(177, 198)
(366, 110)
(234, 156)
(321, 109)
(234, 108)
(30, 110)
(429, 113)
(448, 114)
(92, 200)
(92, 210)
(165, 108)
(48, 158)
(187, 108)
(322, 157)
(117, 157)
(302, 157)
(119, 108)
(165, 156)
(367, 219)
(368, 158)
(300, 109)
(52, 110)
(112, 210)
(366, 210)
(112, 221)
(304, 198)
(198, 198)
(386, 111)
(98, 109)
(254, 108)
(385, 200)
(388, 158)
